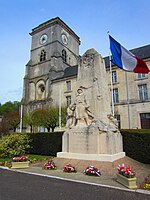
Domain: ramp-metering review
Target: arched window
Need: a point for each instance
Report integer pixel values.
(43, 55)
(64, 55)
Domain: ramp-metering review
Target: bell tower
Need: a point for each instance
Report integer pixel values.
(54, 47)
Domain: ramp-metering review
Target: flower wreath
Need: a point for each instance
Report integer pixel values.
(92, 171)
(20, 159)
(49, 165)
(69, 168)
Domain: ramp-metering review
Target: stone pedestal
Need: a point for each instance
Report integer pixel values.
(95, 157)
(89, 140)
(88, 143)
(80, 141)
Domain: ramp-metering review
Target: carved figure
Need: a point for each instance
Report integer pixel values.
(113, 125)
(70, 116)
(82, 112)
(79, 113)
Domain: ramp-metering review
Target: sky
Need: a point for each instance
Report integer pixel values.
(127, 21)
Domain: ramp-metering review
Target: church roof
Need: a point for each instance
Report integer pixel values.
(141, 52)
(70, 71)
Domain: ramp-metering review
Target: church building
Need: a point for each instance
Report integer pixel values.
(51, 76)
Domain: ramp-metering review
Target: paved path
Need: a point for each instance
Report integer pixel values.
(103, 179)
(23, 186)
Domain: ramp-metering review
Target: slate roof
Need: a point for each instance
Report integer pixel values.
(70, 71)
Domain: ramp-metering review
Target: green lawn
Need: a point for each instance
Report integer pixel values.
(32, 157)
(5, 159)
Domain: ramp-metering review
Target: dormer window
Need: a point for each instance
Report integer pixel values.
(64, 55)
(141, 75)
(43, 55)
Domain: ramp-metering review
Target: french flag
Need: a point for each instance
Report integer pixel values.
(125, 60)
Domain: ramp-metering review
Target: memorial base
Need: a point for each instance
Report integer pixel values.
(96, 157)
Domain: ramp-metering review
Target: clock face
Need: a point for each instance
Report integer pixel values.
(64, 39)
(43, 39)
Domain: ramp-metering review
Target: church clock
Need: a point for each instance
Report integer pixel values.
(43, 39)
(64, 39)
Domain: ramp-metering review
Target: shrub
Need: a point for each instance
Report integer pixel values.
(14, 144)
(136, 144)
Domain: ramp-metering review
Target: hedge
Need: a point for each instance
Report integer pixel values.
(46, 143)
(136, 144)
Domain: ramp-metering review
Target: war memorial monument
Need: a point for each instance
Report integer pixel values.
(91, 131)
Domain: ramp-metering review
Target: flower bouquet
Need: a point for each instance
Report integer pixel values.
(49, 165)
(126, 171)
(69, 168)
(92, 171)
(20, 162)
(20, 159)
(147, 183)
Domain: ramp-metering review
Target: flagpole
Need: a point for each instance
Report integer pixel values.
(127, 99)
(111, 84)
(59, 108)
(21, 109)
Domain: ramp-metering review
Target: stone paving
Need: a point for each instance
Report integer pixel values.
(108, 170)
(103, 179)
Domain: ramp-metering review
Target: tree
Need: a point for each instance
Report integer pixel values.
(9, 107)
(28, 119)
(51, 118)
(46, 117)
(12, 120)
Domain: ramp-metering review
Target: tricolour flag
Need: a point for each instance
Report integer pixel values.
(125, 60)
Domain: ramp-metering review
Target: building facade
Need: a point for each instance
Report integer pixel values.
(51, 76)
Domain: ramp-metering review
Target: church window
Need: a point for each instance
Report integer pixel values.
(42, 88)
(69, 60)
(43, 55)
(64, 55)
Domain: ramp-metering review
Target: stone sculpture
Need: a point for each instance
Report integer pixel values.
(78, 113)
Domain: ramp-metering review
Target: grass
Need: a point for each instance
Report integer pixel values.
(5, 159)
(32, 158)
